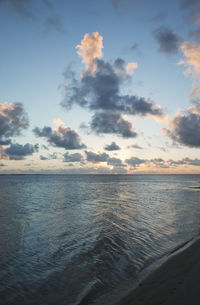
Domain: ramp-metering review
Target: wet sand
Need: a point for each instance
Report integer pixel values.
(176, 282)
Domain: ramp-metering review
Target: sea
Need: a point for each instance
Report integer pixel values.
(86, 239)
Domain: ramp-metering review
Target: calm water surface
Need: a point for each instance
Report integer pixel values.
(83, 239)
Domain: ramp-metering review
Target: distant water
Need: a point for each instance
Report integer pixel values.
(83, 239)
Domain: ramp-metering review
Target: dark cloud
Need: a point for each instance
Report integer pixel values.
(115, 162)
(72, 157)
(103, 157)
(135, 162)
(135, 146)
(45, 147)
(124, 3)
(195, 17)
(43, 158)
(101, 91)
(109, 122)
(50, 157)
(168, 40)
(13, 119)
(195, 33)
(19, 152)
(135, 48)
(5, 142)
(185, 129)
(184, 161)
(53, 156)
(160, 16)
(54, 23)
(62, 137)
(96, 158)
(190, 3)
(20, 7)
(112, 146)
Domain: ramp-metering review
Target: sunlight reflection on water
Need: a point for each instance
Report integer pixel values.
(72, 239)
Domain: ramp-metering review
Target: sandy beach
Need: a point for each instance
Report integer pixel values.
(175, 282)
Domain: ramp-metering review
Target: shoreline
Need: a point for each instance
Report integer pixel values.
(174, 282)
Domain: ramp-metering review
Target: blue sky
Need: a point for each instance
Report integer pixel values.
(40, 68)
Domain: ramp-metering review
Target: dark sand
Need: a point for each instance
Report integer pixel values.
(176, 282)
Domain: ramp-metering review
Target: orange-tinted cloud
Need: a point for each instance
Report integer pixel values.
(90, 48)
(191, 51)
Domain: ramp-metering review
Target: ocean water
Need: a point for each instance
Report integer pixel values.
(85, 239)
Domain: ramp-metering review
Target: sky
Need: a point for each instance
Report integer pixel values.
(100, 87)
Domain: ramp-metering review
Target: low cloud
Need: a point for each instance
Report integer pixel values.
(168, 40)
(136, 146)
(13, 119)
(19, 152)
(134, 162)
(61, 137)
(111, 147)
(115, 162)
(96, 158)
(72, 157)
(103, 157)
(113, 123)
(43, 158)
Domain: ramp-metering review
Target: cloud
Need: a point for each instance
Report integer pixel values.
(43, 158)
(130, 67)
(103, 157)
(53, 156)
(61, 137)
(185, 129)
(96, 158)
(109, 122)
(160, 16)
(115, 162)
(112, 146)
(19, 152)
(50, 157)
(195, 33)
(135, 49)
(191, 51)
(72, 157)
(119, 3)
(101, 91)
(190, 3)
(20, 7)
(136, 146)
(54, 23)
(13, 119)
(134, 162)
(195, 17)
(168, 40)
(90, 48)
